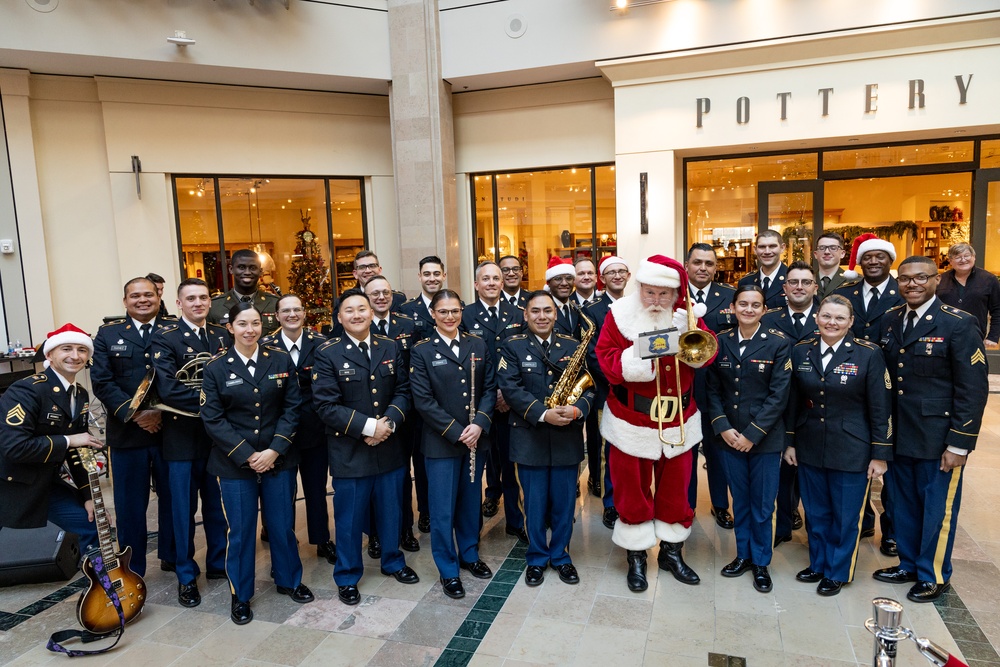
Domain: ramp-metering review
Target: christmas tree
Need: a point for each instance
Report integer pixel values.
(309, 277)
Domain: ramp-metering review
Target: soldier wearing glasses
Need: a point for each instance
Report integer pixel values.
(560, 276)
(829, 255)
(366, 267)
(512, 272)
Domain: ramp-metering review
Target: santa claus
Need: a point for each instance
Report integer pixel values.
(651, 438)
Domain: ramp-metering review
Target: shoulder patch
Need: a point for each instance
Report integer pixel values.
(328, 343)
(896, 307)
(172, 327)
(561, 335)
(807, 341)
(15, 416)
(381, 337)
(848, 283)
(775, 332)
(419, 343)
(774, 310)
(112, 323)
(518, 337)
(955, 312)
(401, 316)
(36, 379)
(408, 302)
(865, 343)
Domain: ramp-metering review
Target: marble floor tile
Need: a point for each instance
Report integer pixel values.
(616, 612)
(429, 624)
(187, 628)
(501, 635)
(325, 615)
(819, 632)
(748, 629)
(656, 659)
(147, 654)
(288, 645)
(611, 646)
(377, 617)
(230, 642)
(399, 654)
(547, 641)
(340, 650)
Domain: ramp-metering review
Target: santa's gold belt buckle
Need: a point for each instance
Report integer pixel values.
(663, 409)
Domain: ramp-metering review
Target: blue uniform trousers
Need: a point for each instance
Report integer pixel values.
(926, 522)
(597, 455)
(788, 498)
(66, 512)
(188, 480)
(313, 470)
(240, 498)
(885, 519)
(418, 478)
(834, 502)
(753, 481)
(499, 459)
(718, 486)
(454, 504)
(548, 491)
(131, 471)
(351, 518)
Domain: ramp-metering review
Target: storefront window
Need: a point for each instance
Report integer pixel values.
(992, 254)
(989, 154)
(568, 212)
(899, 156)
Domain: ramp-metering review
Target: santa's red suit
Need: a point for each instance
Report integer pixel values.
(637, 454)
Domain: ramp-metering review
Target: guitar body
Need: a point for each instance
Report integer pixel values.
(95, 611)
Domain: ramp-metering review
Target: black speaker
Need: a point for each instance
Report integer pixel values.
(37, 555)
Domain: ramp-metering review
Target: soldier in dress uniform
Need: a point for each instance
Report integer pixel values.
(310, 438)
(366, 267)
(186, 346)
(513, 272)
(838, 436)
(585, 290)
(495, 320)
(158, 282)
(829, 254)
(615, 273)
(747, 395)
(770, 273)
(245, 268)
(362, 395)
(46, 418)
(938, 370)
(453, 428)
(560, 276)
(432, 278)
(122, 357)
(700, 266)
(546, 443)
(797, 320)
(250, 408)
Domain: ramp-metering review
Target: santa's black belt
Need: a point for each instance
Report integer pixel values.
(645, 405)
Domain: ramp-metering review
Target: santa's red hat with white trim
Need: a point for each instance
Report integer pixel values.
(67, 334)
(662, 271)
(559, 267)
(605, 263)
(866, 243)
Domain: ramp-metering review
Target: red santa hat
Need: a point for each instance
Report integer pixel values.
(866, 243)
(605, 263)
(67, 334)
(662, 271)
(559, 267)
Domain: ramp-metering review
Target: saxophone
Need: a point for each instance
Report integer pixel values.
(574, 379)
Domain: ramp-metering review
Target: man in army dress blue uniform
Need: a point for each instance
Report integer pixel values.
(244, 266)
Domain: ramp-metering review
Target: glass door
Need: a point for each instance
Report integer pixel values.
(986, 219)
(795, 209)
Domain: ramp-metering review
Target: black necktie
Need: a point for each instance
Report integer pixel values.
(72, 401)
(493, 312)
(513, 300)
(246, 299)
(798, 317)
(294, 353)
(823, 358)
(765, 283)
(545, 345)
(699, 297)
(743, 347)
(144, 331)
(825, 281)
(911, 321)
(363, 346)
(455, 347)
(873, 301)
(203, 334)
(383, 327)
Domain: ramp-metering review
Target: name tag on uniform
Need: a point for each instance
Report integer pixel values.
(529, 364)
(345, 371)
(232, 383)
(119, 348)
(52, 416)
(439, 362)
(724, 364)
(805, 368)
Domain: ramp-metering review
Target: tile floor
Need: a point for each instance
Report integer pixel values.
(598, 622)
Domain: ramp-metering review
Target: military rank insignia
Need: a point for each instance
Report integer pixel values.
(503, 364)
(201, 398)
(788, 364)
(978, 357)
(15, 416)
(888, 385)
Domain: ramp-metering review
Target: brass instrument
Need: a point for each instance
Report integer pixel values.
(472, 413)
(575, 378)
(146, 398)
(696, 346)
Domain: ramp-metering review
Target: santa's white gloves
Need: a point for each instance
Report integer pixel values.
(635, 369)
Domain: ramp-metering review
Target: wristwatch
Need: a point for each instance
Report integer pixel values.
(392, 424)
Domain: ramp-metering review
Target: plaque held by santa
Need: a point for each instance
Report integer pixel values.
(638, 425)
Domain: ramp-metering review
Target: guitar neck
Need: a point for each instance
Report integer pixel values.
(107, 544)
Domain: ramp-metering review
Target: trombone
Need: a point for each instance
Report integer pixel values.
(146, 398)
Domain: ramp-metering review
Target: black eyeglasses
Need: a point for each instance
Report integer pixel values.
(366, 267)
(919, 279)
(510, 269)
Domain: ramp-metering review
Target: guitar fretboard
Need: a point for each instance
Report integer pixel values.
(107, 544)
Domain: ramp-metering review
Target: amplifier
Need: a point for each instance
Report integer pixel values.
(37, 555)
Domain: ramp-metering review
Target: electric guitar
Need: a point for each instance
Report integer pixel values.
(95, 611)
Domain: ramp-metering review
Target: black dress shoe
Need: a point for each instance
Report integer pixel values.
(263, 535)
(349, 594)
(636, 577)
(894, 575)
(888, 547)
(610, 517)
(188, 595)
(407, 542)
(453, 587)
(167, 566)
(240, 612)
(215, 574)
(809, 576)
(761, 579)
(490, 507)
(300, 593)
(867, 532)
(424, 523)
(327, 550)
(534, 575)
(594, 487)
(927, 591)
(829, 587)
(778, 539)
(519, 533)
(737, 567)
(479, 569)
(722, 517)
(374, 547)
(796, 520)
(567, 573)
(404, 575)
(670, 559)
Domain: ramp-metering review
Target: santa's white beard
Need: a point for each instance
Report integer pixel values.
(661, 319)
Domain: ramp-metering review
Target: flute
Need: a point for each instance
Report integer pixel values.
(472, 414)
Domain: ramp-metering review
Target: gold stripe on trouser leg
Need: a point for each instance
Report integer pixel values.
(520, 496)
(225, 563)
(945, 532)
(857, 540)
(774, 520)
(604, 458)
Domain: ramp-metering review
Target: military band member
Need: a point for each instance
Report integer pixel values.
(362, 395)
(560, 276)
(939, 392)
(513, 274)
(615, 273)
(838, 436)
(453, 427)
(585, 283)
(310, 437)
(797, 320)
(399, 328)
(158, 282)
(494, 321)
(639, 455)
(546, 443)
(245, 268)
(700, 266)
(829, 254)
(747, 395)
(186, 346)
(770, 273)
(122, 357)
(250, 407)
(366, 267)
(46, 418)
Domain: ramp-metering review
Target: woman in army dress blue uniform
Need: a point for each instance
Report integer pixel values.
(440, 384)
(249, 403)
(747, 394)
(838, 420)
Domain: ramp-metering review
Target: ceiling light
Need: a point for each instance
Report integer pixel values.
(180, 38)
(622, 5)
